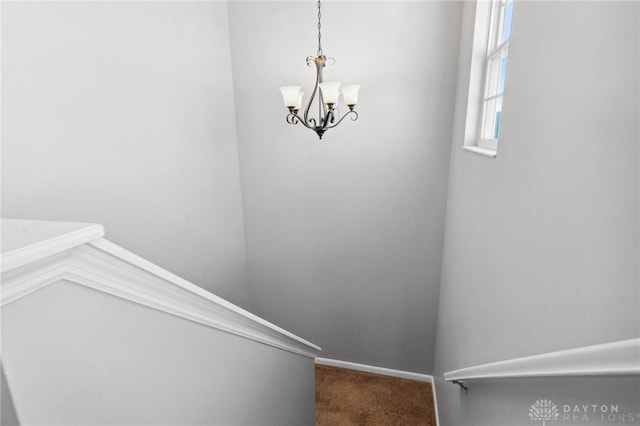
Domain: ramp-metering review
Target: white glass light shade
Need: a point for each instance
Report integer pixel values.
(290, 95)
(330, 92)
(350, 94)
(299, 103)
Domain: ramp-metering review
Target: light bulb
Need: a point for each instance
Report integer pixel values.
(330, 92)
(350, 94)
(290, 95)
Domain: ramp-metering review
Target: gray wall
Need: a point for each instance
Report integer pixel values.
(106, 361)
(541, 245)
(122, 114)
(344, 236)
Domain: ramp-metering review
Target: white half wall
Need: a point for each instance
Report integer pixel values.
(94, 334)
(122, 113)
(73, 355)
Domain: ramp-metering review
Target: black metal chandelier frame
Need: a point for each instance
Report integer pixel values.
(327, 112)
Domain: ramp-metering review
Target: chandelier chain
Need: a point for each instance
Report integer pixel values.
(319, 33)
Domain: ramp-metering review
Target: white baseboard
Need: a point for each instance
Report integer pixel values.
(375, 370)
(385, 372)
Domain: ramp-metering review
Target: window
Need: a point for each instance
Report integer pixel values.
(488, 71)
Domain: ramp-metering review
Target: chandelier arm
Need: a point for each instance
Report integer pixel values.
(316, 89)
(322, 107)
(305, 116)
(354, 118)
(313, 123)
(326, 119)
(294, 118)
(308, 107)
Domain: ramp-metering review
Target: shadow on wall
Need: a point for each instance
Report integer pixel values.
(8, 415)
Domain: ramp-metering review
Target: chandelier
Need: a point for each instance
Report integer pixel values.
(327, 96)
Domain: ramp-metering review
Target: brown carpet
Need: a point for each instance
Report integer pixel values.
(349, 397)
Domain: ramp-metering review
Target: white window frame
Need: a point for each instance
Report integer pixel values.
(488, 27)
